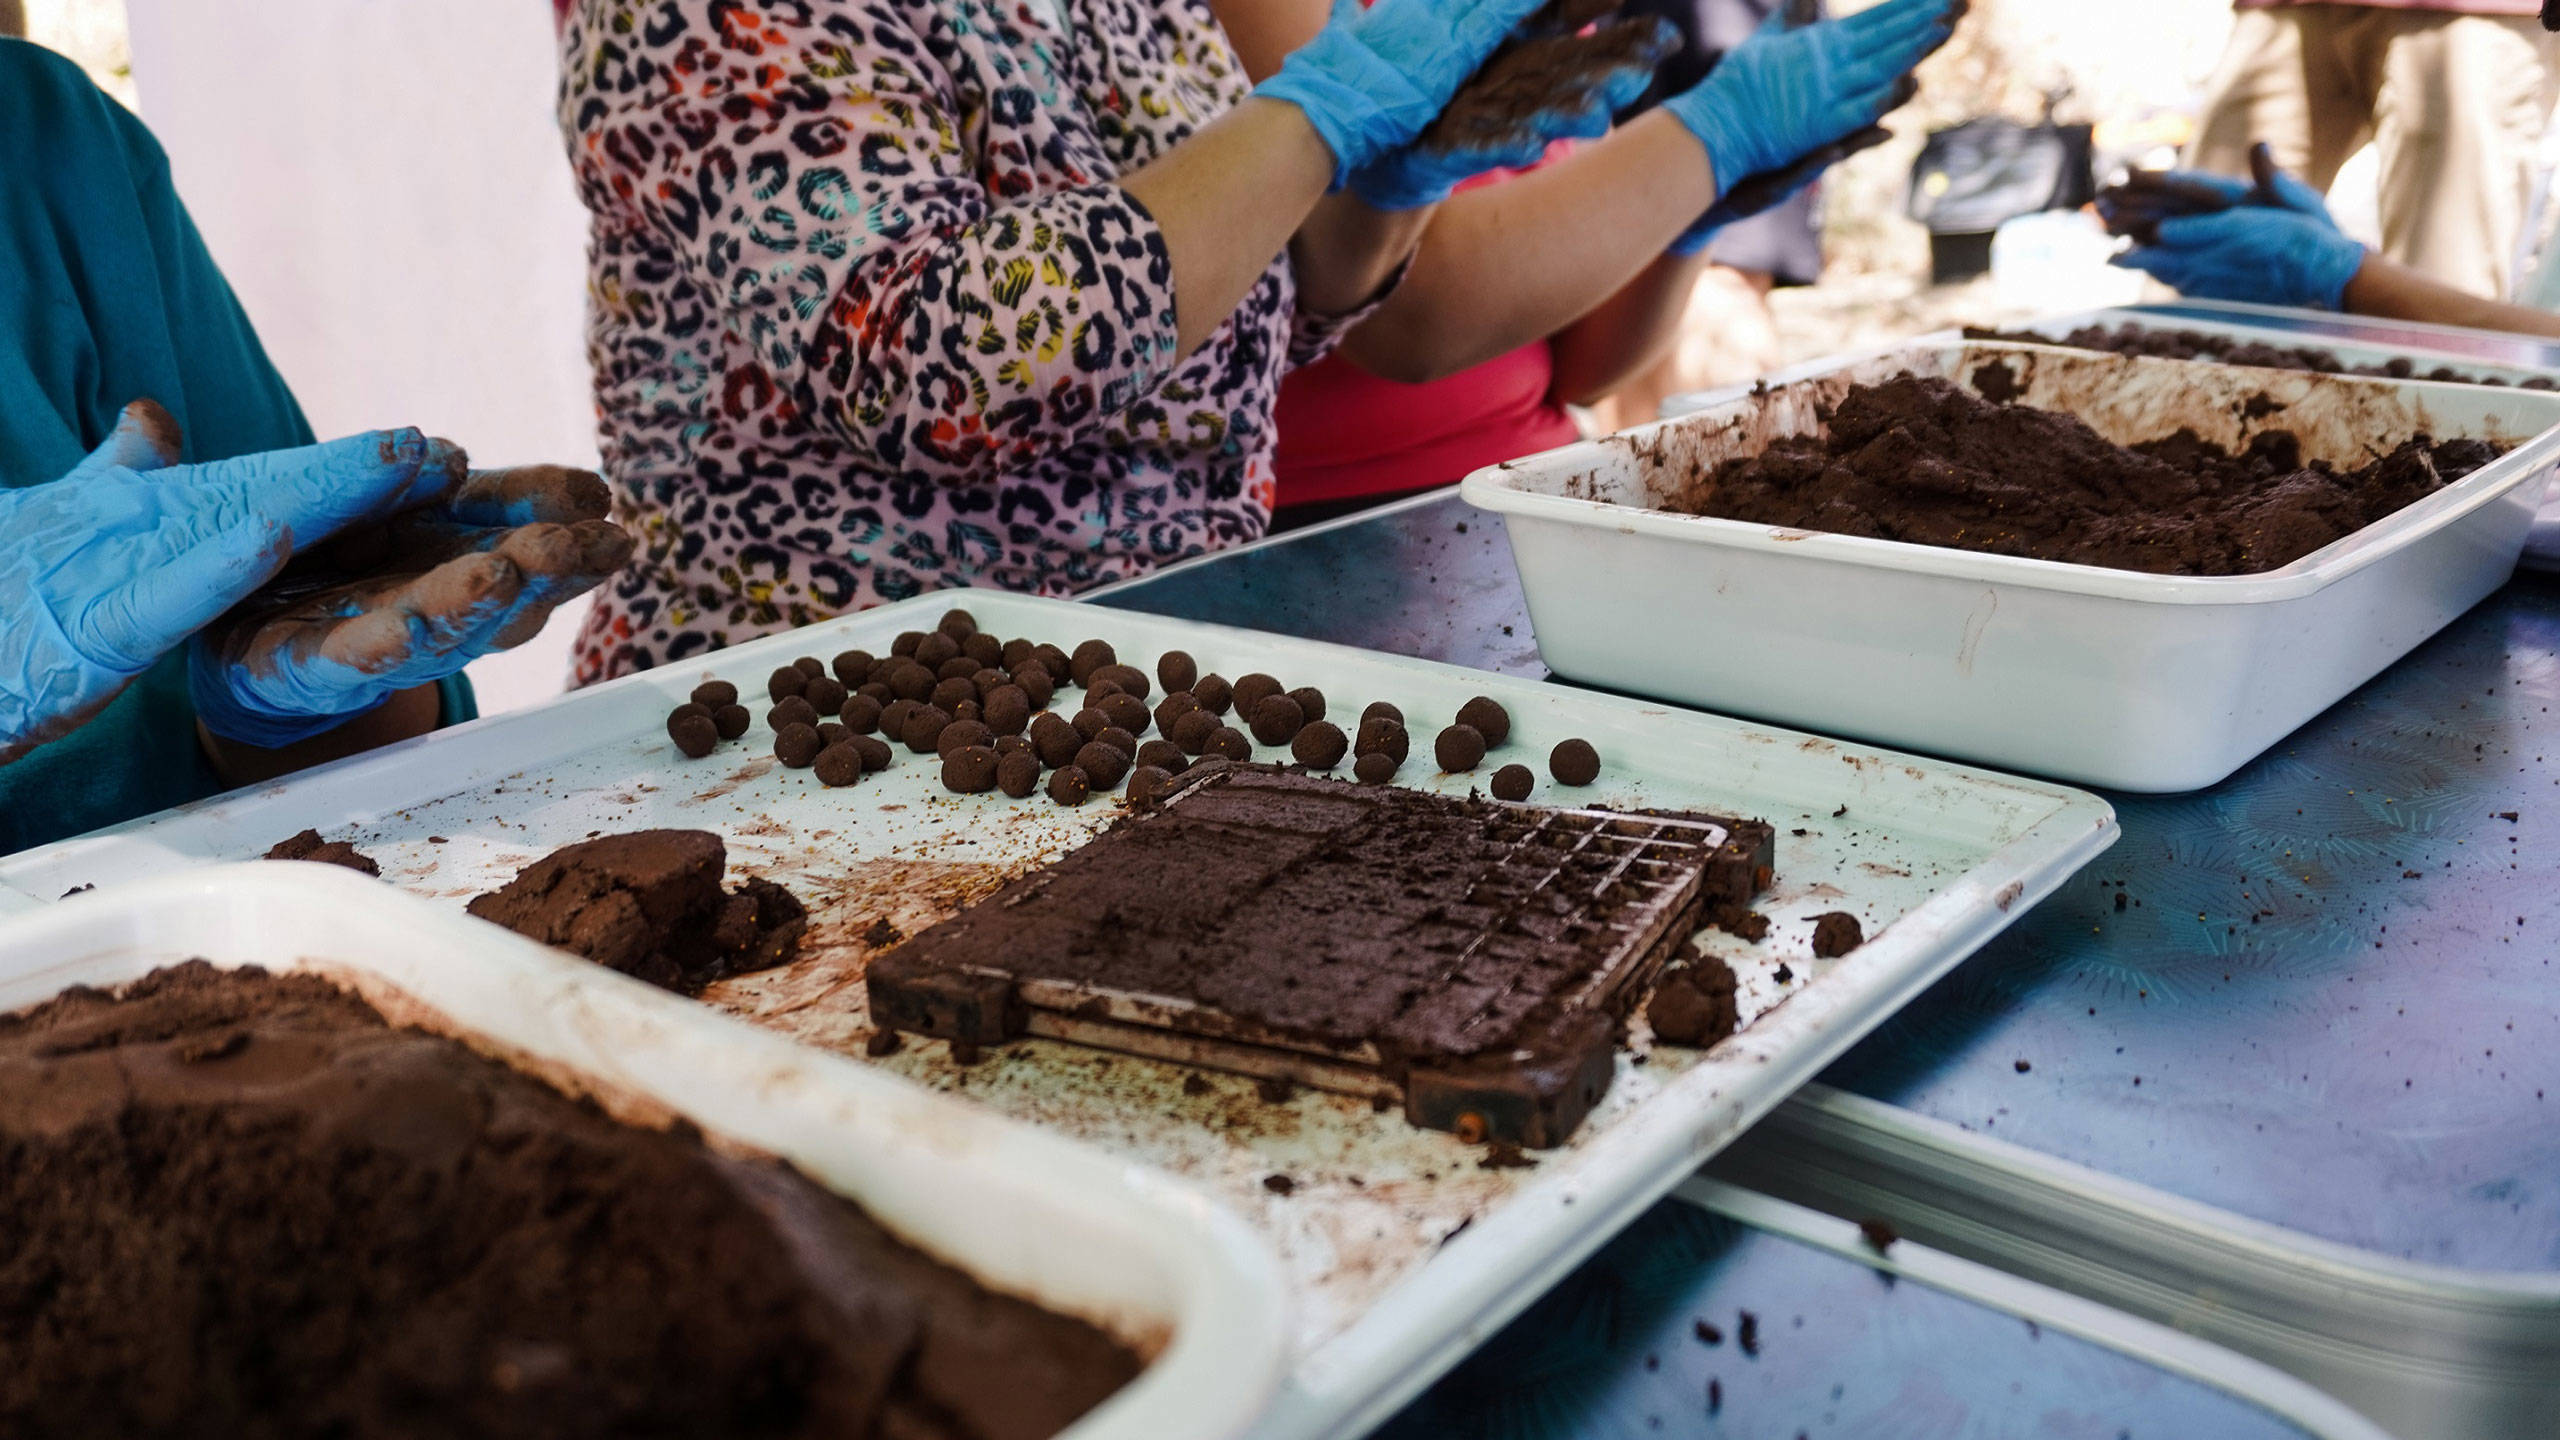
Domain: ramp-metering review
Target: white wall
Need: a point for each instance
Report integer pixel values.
(384, 184)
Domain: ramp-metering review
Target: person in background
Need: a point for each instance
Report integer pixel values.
(893, 295)
(194, 595)
(2454, 94)
(1530, 292)
(2276, 244)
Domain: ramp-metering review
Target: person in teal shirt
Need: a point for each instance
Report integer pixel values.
(193, 593)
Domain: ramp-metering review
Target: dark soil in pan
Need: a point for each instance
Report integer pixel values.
(1925, 461)
(2231, 350)
(241, 1204)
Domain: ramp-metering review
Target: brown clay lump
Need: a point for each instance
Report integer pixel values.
(1836, 932)
(309, 846)
(648, 903)
(1574, 762)
(1694, 1004)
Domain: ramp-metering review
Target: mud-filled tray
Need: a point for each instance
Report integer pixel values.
(2151, 682)
(1402, 1247)
(1169, 1272)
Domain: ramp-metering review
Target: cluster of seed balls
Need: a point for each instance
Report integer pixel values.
(982, 705)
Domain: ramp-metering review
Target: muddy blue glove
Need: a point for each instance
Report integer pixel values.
(2287, 253)
(1372, 79)
(1581, 80)
(118, 562)
(1786, 93)
(403, 603)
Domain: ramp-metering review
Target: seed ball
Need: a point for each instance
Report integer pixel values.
(893, 718)
(1091, 722)
(690, 707)
(961, 733)
(1229, 742)
(875, 752)
(1055, 661)
(1035, 682)
(796, 745)
(989, 681)
(1068, 785)
(826, 694)
(1164, 755)
(1382, 735)
(949, 693)
(1015, 654)
(832, 733)
(793, 710)
(1118, 739)
(1018, 774)
(969, 770)
(958, 624)
(1253, 689)
(1009, 744)
(1126, 711)
(1459, 749)
(876, 689)
(906, 642)
(1310, 702)
(712, 694)
(910, 681)
(810, 666)
(852, 667)
(1375, 768)
(1103, 765)
(1173, 707)
(984, 648)
(1090, 656)
(785, 682)
(1276, 720)
(1007, 708)
(969, 710)
(1193, 730)
(1381, 707)
(1574, 762)
(732, 720)
(1320, 746)
(839, 765)
(861, 714)
(1129, 678)
(1177, 670)
(934, 649)
(1054, 739)
(1214, 694)
(694, 734)
(1487, 718)
(1099, 687)
(1146, 786)
(923, 729)
(958, 667)
(1513, 782)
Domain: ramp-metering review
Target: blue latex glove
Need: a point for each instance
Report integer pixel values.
(389, 607)
(1784, 94)
(114, 564)
(1425, 172)
(2287, 253)
(1372, 79)
(1771, 188)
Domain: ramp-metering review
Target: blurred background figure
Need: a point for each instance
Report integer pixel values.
(2454, 95)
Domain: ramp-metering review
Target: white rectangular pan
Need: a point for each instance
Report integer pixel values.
(1152, 1260)
(1400, 1248)
(2106, 677)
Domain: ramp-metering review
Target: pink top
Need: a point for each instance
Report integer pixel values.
(1345, 433)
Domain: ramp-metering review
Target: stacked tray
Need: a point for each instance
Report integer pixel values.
(1024, 1213)
(1400, 1246)
(2111, 677)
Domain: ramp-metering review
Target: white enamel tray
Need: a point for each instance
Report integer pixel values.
(1401, 1250)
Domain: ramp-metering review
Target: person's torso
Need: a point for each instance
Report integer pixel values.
(1347, 434)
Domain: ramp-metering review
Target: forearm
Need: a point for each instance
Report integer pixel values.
(1511, 263)
(2393, 291)
(1630, 331)
(410, 712)
(1229, 199)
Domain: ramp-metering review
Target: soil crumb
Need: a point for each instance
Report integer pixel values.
(648, 903)
(309, 846)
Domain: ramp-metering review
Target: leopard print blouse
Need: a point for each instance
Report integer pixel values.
(868, 315)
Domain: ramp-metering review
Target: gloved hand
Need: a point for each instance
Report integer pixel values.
(1786, 93)
(1570, 84)
(1772, 188)
(2286, 253)
(1372, 79)
(404, 603)
(109, 567)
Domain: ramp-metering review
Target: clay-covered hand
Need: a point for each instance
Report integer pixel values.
(1372, 79)
(1541, 88)
(2288, 252)
(1787, 92)
(1772, 188)
(404, 603)
(108, 568)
